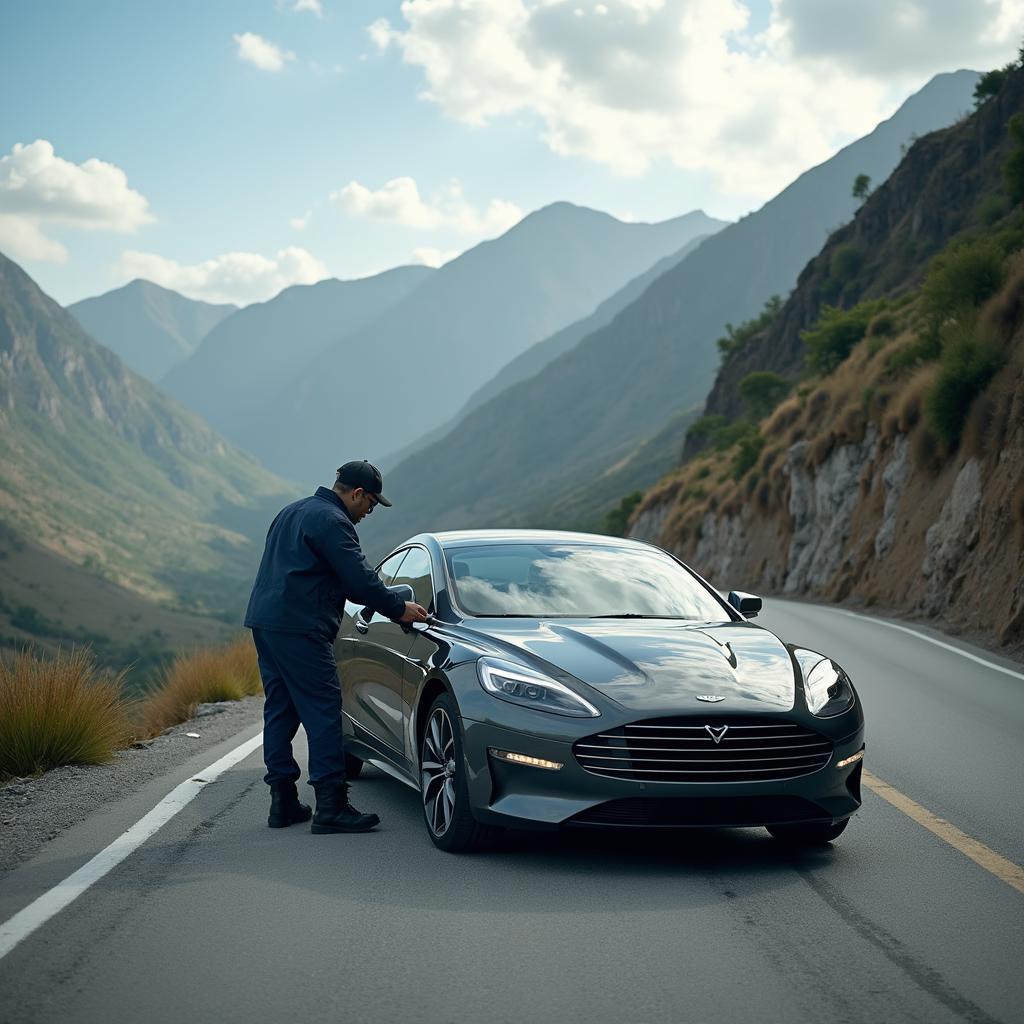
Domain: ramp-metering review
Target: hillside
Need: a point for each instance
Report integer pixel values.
(538, 356)
(49, 602)
(427, 354)
(893, 471)
(598, 403)
(149, 327)
(101, 469)
(236, 373)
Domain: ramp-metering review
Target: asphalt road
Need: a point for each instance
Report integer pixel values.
(217, 918)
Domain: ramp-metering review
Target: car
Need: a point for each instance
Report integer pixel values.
(570, 680)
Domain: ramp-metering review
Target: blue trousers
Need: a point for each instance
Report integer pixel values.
(300, 680)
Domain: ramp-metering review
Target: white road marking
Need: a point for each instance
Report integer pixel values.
(932, 640)
(54, 900)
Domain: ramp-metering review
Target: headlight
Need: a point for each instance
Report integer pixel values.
(520, 685)
(828, 689)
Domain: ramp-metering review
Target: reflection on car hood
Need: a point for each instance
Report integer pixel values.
(657, 665)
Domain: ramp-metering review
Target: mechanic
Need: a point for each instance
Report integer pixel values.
(312, 564)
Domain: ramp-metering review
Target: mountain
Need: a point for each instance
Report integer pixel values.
(233, 378)
(892, 473)
(398, 377)
(595, 405)
(536, 357)
(100, 468)
(149, 327)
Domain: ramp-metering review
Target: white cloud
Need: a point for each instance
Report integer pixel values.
(428, 257)
(301, 223)
(38, 187)
(313, 6)
(21, 239)
(399, 202)
(240, 277)
(264, 54)
(629, 82)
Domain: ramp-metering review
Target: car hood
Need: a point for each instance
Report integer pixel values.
(656, 665)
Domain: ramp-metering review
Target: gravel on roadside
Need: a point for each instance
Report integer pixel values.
(35, 810)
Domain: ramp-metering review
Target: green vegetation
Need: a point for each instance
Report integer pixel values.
(1013, 167)
(736, 337)
(990, 83)
(762, 391)
(961, 277)
(59, 710)
(832, 338)
(616, 522)
(748, 448)
(861, 187)
(966, 365)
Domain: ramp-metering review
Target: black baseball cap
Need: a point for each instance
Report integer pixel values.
(363, 474)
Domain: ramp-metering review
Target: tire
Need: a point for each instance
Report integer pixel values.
(445, 795)
(807, 835)
(353, 767)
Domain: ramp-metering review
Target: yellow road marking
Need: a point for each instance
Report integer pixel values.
(1005, 870)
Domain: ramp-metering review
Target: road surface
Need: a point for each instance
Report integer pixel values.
(217, 918)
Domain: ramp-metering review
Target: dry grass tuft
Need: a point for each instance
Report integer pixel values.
(1004, 311)
(59, 710)
(212, 674)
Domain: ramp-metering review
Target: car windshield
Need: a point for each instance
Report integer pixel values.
(577, 580)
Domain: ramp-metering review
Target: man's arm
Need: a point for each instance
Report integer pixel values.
(336, 542)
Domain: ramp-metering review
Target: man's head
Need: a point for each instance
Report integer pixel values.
(359, 484)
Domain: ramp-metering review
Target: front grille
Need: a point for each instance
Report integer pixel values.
(683, 750)
(700, 812)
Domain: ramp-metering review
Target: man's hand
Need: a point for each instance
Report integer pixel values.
(414, 613)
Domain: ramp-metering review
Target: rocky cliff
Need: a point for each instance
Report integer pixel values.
(893, 474)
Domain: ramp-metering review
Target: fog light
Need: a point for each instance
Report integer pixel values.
(536, 762)
(852, 759)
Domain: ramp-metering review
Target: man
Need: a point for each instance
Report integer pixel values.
(311, 565)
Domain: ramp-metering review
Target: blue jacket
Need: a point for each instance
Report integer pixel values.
(312, 564)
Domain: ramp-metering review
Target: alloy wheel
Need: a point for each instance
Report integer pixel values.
(437, 772)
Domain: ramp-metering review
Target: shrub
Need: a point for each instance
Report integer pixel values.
(967, 364)
(992, 209)
(762, 391)
(59, 710)
(990, 83)
(229, 672)
(616, 522)
(882, 325)
(748, 449)
(736, 337)
(706, 427)
(832, 338)
(1013, 167)
(962, 275)
(845, 263)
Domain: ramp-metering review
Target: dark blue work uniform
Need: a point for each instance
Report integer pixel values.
(311, 565)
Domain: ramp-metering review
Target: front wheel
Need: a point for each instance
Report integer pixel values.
(450, 823)
(807, 835)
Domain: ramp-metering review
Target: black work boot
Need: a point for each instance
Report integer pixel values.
(285, 808)
(335, 814)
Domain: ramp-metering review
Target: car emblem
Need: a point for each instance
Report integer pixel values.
(716, 734)
(710, 698)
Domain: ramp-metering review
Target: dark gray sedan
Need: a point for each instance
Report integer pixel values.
(572, 680)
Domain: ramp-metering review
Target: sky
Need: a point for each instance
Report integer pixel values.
(230, 148)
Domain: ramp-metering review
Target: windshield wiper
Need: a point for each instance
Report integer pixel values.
(632, 615)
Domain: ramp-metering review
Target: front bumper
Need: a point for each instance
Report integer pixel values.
(524, 796)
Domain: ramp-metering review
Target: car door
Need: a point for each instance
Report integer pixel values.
(416, 572)
(371, 656)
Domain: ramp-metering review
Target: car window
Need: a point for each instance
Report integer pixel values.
(387, 572)
(415, 571)
(572, 580)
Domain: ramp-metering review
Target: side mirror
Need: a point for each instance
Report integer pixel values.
(746, 604)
